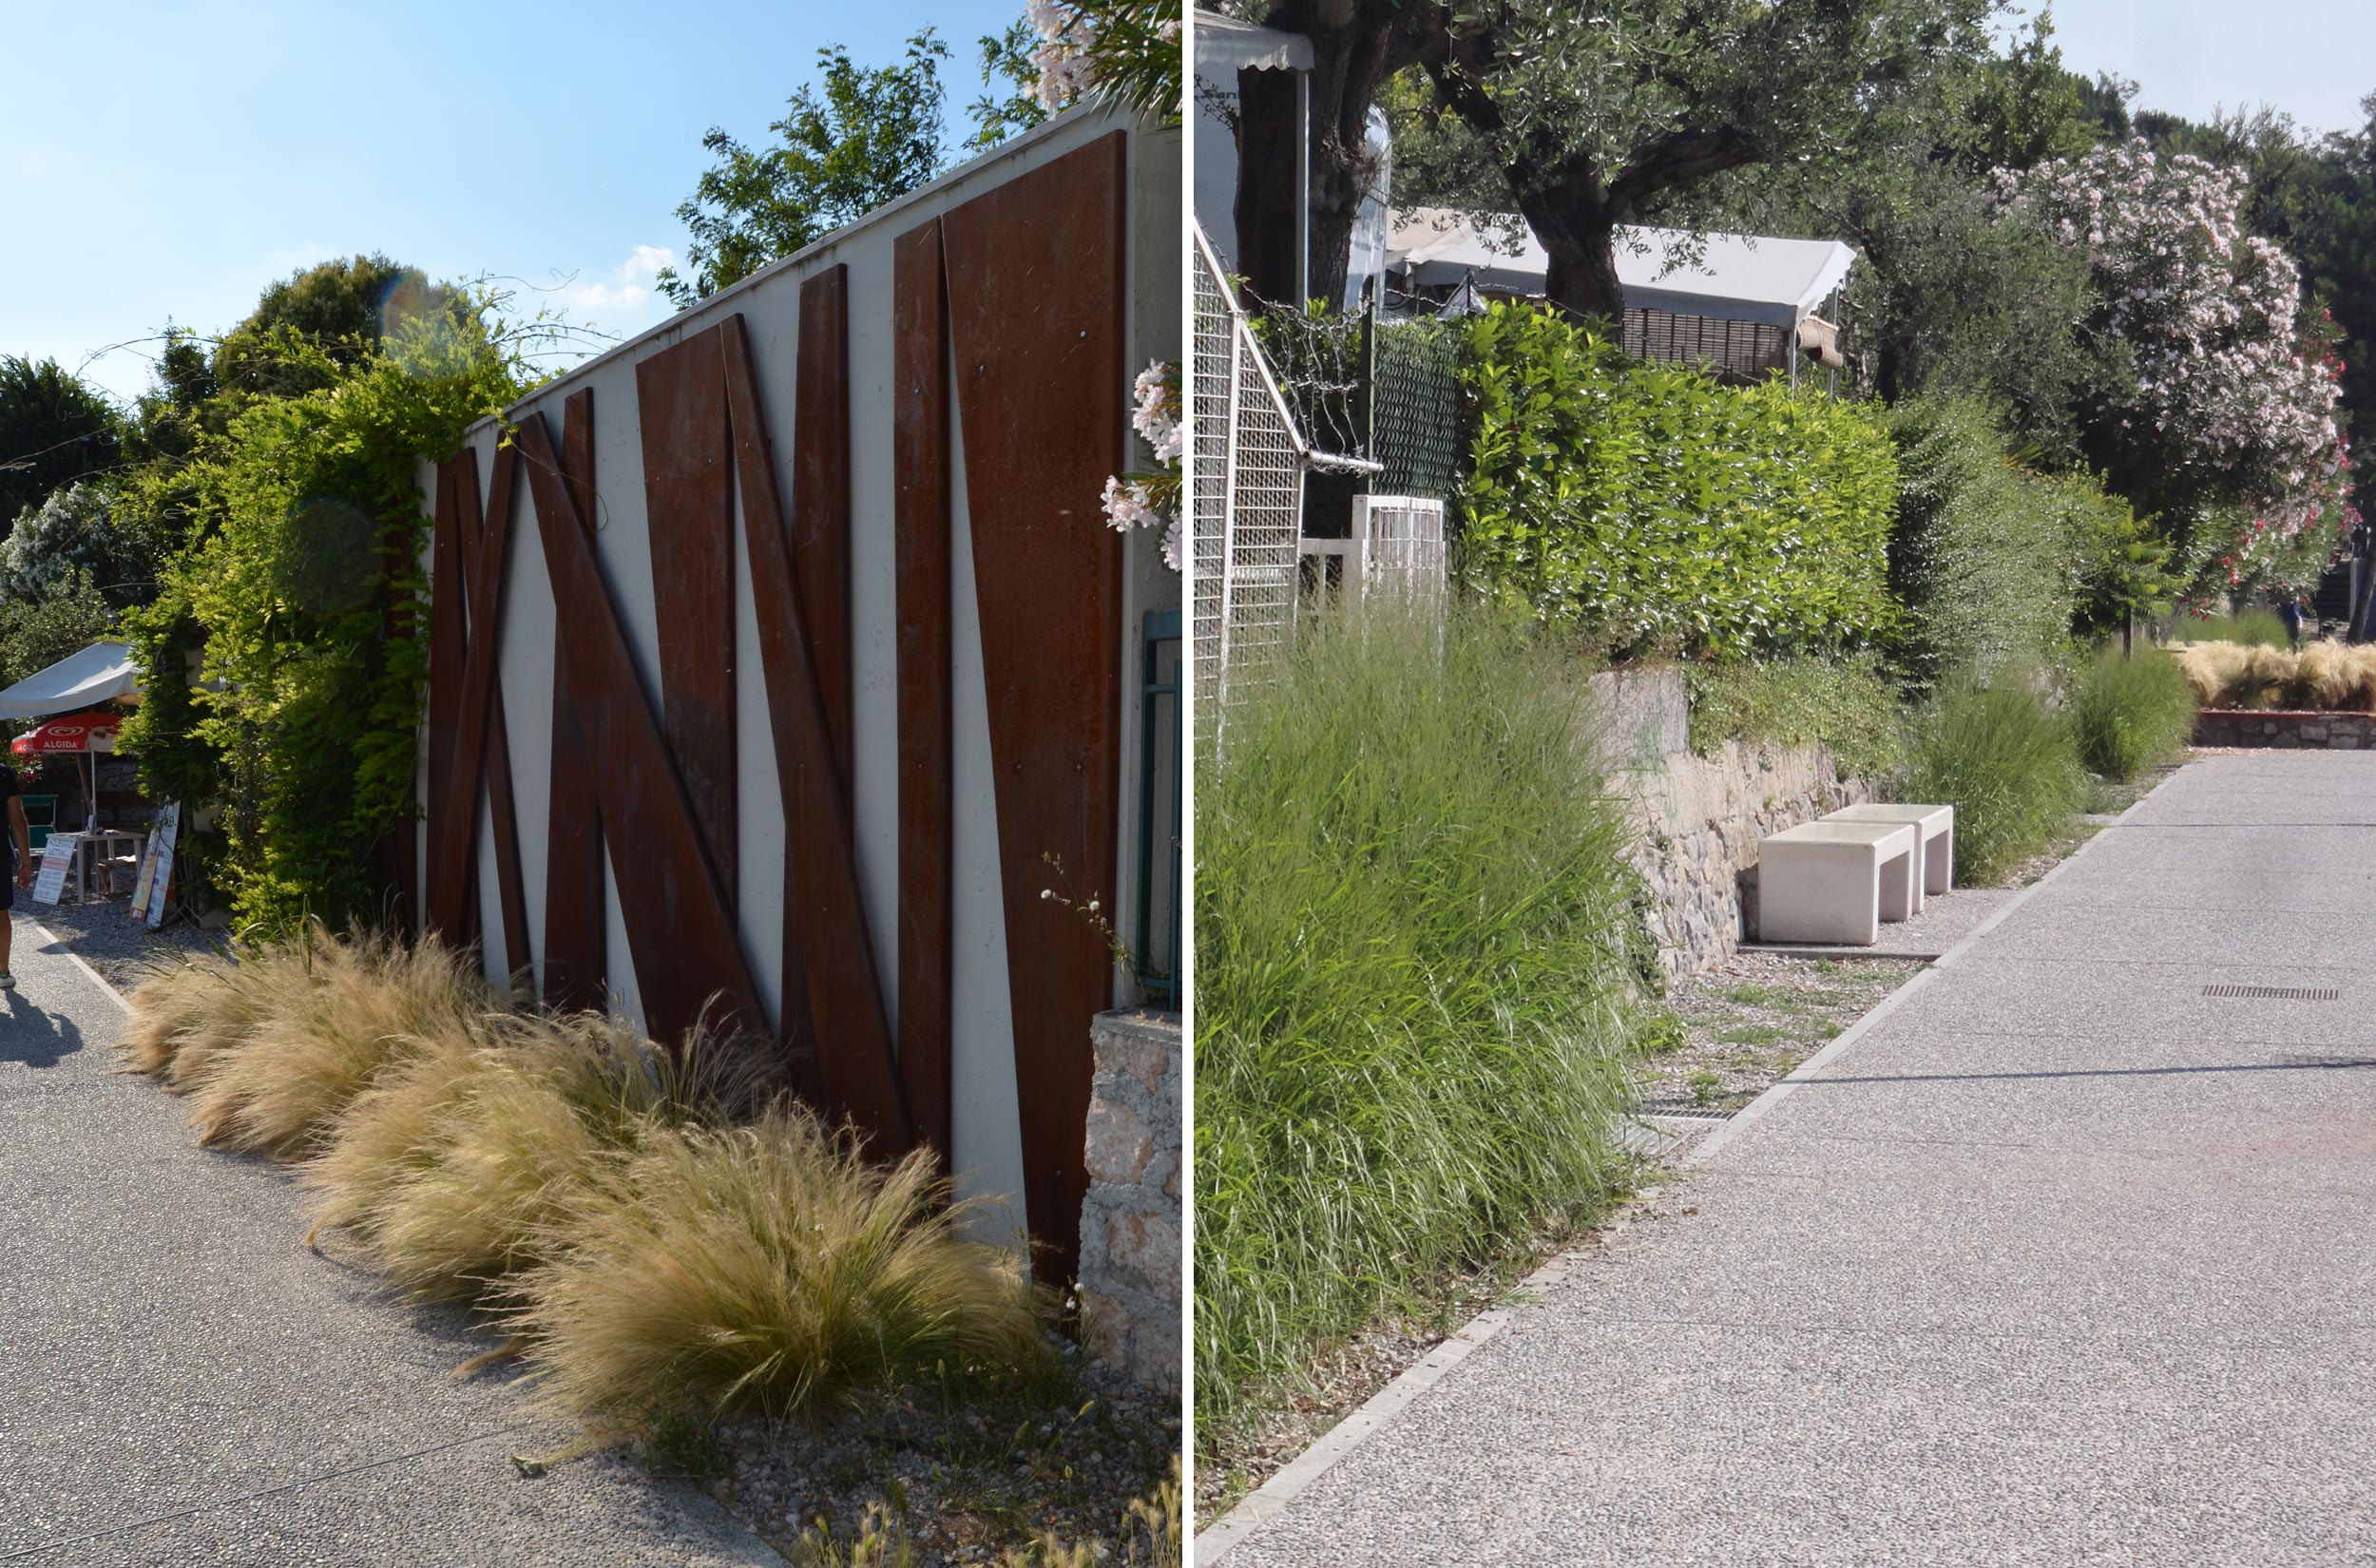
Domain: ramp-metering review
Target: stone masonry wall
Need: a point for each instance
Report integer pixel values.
(1699, 819)
(2287, 729)
(1130, 1226)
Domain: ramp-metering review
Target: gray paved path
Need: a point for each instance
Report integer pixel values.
(2060, 1263)
(182, 1382)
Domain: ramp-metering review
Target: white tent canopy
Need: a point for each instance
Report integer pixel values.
(105, 671)
(1737, 278)
(1226, 46)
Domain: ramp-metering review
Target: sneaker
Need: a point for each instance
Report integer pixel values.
(7, 981)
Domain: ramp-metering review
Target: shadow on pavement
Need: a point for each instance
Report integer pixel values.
(36, 1038)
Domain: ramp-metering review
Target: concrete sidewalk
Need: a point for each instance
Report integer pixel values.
(181, 1381)
(2062, 1261)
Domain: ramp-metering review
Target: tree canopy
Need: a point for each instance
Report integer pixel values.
(54, 431)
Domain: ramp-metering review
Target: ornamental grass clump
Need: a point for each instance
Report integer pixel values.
(519, 1129)
(2009, 765)
(1414, 1045)
(327, 1016)
(193, 1009)
(2131, 712)
(770, 1268)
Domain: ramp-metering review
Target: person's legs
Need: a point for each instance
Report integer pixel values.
(8, 918)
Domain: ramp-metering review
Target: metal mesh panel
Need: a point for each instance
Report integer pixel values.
(1406, 545)
(1417, 408)
(1245, 469)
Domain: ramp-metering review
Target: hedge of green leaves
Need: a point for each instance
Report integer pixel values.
(1656, 508)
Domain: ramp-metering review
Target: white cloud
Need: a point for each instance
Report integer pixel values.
(624, 289)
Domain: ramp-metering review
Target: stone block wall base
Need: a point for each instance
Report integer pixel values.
(2287, 729)
(1130, 1222)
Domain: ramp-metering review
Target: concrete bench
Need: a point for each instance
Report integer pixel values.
(1936, 826)
(1836, 882)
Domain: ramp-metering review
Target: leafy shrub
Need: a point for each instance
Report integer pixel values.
(1987, 556)
(769, 1267)
(2009, 766)
(2131, 712)
(1652, 507)
(1845, 704)
(297, 732)
(1410, 967)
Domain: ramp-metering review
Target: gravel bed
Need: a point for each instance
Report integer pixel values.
(1745, 1023)
(103, 934)
(958, 1480)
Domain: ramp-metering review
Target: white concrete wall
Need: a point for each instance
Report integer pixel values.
(987, 1154)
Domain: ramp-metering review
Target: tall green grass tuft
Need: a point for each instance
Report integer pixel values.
(2251, 626)
(769, 1267)
(2131, 712)
(1411, 1043)
(2009, 765)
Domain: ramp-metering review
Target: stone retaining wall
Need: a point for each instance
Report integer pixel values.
(2285, 728)
(1700, 821)
(1130, 1226)
(1698, 818)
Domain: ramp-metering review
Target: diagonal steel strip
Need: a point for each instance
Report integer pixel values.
(826, 940)
(681, 937)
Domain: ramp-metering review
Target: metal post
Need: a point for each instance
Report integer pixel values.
(1303, 188)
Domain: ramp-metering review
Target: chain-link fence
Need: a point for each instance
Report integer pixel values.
(1416, 408)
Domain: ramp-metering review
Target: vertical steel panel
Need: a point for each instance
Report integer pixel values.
(574, 895)
(820, 496)
(926, 792)
(1036, 302)
(681, 407)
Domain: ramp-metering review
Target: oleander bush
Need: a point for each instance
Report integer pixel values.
(2010, 764)
(1413, 1046)
(1649, 507)
(2132, 711)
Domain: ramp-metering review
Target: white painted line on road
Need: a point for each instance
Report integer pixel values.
(1273, 1497)
(60, 943)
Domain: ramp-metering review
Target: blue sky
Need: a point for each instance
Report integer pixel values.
(2316, 59)
(170, 159)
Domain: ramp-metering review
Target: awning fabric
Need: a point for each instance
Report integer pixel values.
(1737, 278)
(90, 732)
(105, 671)
(1226, 46)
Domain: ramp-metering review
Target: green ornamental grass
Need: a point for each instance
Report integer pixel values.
(1411, 1047)
(2009, 765)
(2131, 712)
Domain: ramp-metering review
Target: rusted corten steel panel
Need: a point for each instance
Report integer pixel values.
(680, 407)
(484, 576)
(444, 649)
(927, 763)
(820, 495)
(826, 942)
(1036, 303)
(452, 909)
(574, 937)
(681, 931)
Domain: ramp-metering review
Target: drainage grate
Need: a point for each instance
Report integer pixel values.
(2275, 993)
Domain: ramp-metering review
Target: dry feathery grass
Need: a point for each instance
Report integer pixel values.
(173, 1006)
(767, 1267)
(537, 1114)
(329, 1014)
(2326, 676)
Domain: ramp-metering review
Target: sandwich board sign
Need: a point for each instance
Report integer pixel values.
(57, 858)
(156, 879)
